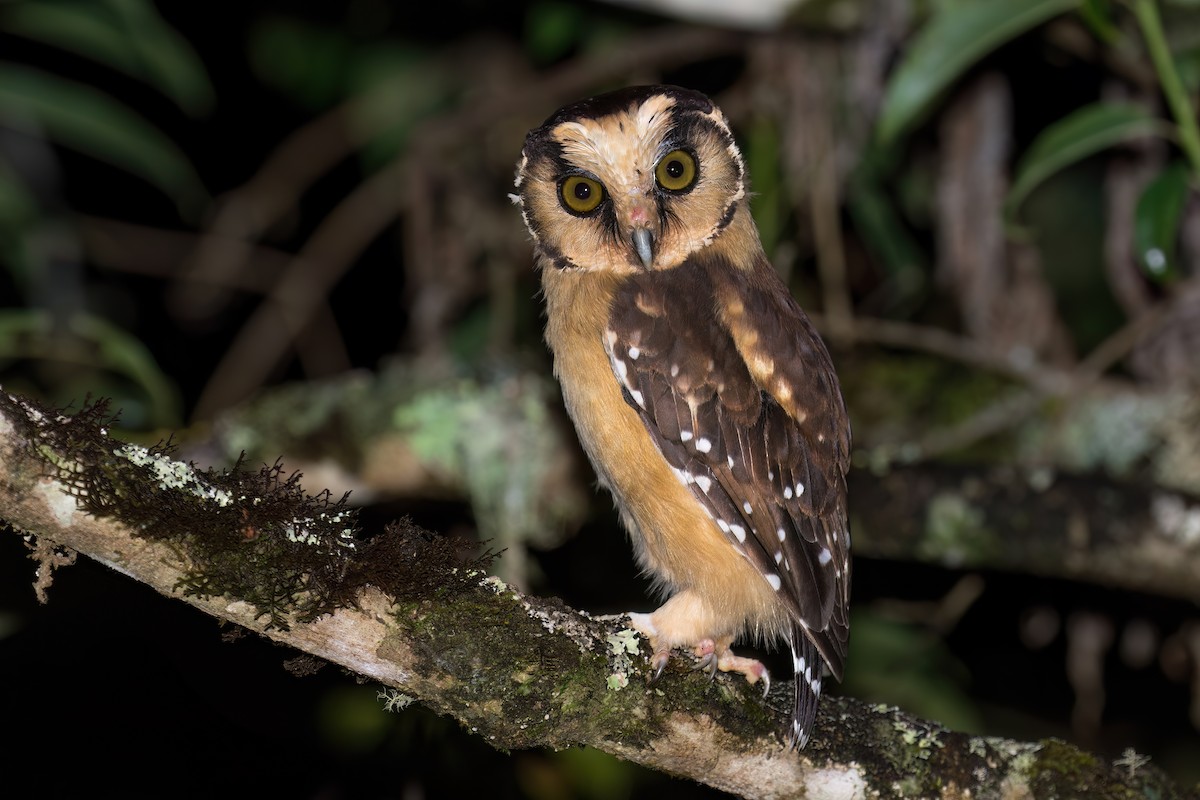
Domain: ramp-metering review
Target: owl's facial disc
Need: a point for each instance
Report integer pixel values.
(635, 181)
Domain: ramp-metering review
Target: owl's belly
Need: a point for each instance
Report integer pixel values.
(674, 538)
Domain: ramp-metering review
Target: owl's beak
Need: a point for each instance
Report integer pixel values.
(643, 242)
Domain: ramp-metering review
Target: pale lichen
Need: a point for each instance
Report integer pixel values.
(1132, 761)
(394, 700)
(172, 474)
(924, 737)
(621, 645)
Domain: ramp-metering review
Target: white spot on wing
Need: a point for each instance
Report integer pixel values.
(685, 436)
(782, 534)
(776, 584)
(637, 397)
(739, 532)
(825, 556)
(634, 352)
(787, 493)
(703, 445)
(704, 482)
(799, 489)
(749, 509)
(674, 370)
(778, 556)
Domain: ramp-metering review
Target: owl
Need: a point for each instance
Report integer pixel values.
(703, 396)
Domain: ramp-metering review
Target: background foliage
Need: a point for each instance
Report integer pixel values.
(991, 206)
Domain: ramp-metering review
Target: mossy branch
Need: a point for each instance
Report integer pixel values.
(405, 609)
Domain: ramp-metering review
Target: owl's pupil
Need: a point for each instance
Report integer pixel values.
(674, 168)
(582, 191)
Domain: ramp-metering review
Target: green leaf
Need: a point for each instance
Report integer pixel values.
(770, 204)
(886, 237)
(18, 217)
(1081, 133)
(955, 37)
(1098, 16)
(552, 29)
(1156, 222)
(394, 90)
(93, 343)
(127, 35)
(18, 208)
(307, 62)
(91, 122)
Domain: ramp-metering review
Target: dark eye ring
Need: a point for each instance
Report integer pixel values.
(580, 194)
(677, 171)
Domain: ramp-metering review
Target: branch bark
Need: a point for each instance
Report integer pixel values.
(519, 671)
(1085, 528)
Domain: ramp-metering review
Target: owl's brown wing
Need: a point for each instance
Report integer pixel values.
(765, 456)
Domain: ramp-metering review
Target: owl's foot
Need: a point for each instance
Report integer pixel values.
(713, 655)
(662, 649)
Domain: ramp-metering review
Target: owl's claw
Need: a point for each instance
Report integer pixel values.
(711, 654)
(705, 650)
(658, 662)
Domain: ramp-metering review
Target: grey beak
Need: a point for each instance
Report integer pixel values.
(643, 242)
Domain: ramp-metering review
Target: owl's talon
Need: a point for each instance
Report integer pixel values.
(705, 650)
(658, 662)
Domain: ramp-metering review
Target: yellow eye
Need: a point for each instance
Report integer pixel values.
(677, 171)
(581, 195)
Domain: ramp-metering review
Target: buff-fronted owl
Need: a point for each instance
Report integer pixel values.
(701, 392)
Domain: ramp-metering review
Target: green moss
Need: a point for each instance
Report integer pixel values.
(252, 535)
(1059, 758)
(912, 752)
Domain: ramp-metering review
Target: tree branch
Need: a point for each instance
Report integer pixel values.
(520, 671)
(1086, 528)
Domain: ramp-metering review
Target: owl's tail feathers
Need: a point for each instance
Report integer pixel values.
(807, 667)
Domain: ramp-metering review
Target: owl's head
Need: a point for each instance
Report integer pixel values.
(636, 179)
